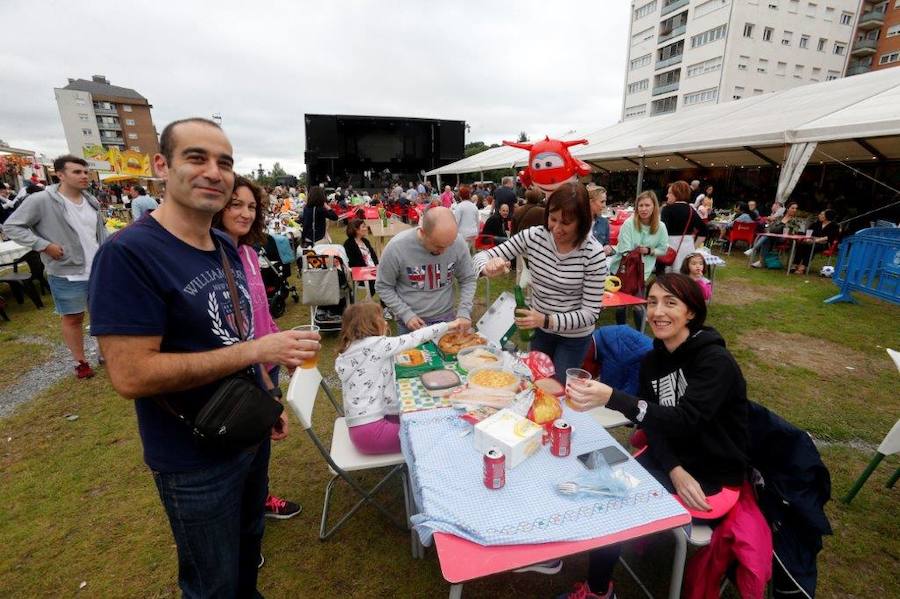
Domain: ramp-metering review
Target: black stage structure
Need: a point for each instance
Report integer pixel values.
(374, 152)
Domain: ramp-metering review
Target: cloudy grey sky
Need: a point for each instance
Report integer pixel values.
(502, 66)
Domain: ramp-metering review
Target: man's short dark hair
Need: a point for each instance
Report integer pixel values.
(59, 165)
(167, 138)
(139, 190)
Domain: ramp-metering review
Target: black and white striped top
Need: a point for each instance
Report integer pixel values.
(568, 287)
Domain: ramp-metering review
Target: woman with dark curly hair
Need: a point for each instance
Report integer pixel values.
(682, 222)
(243, 220)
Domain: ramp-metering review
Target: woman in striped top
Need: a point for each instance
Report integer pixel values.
(568, 272)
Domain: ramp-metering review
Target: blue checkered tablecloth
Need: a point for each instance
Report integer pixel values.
(446, 471)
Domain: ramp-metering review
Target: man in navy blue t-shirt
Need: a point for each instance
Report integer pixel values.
(161, 310)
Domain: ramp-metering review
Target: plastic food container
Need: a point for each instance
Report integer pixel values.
(479, 356)
(493, 379)
(439, 383)
(551, 386)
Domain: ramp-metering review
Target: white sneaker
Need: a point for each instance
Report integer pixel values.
(543, 568)
(749, 252)
(757, 264)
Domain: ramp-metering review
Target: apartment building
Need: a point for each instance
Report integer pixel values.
(877, 41)
(687, 53)
(95, 112)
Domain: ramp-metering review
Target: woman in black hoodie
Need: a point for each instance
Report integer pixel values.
(692, 406)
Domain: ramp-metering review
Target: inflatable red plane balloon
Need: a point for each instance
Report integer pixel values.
(550, 164)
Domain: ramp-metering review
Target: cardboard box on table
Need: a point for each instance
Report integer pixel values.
(514, 435)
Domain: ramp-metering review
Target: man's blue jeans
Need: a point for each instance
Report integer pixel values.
(566, 352)
(217, 517)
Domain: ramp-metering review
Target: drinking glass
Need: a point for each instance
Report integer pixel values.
(314, 361)
(575, 374)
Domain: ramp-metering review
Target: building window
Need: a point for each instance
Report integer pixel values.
(839, 49)
(638, 86)
(757, 91)
(707, 66)
(832, 75)
(816, 71)
(822, 42)
(132, 136)
(704, 95)
(893, 30)
(642, 36)
(804, 41)
(129, 122)
(646, 9)
(829, 14)
(708, 7)
(635, 111)
(748, 30)
(773, 5)
(780, 68)
(792, 7)
(87, 132)
(83, 117)
(126, 107)
(889, 58)
(665, 105)
(709, 36)
(670, 51)
(667, 78)
(811, 9)
(846, 18)
(767, 34)
(640, 61)
(80, 101)
(786, 38)
(738, 92)
(742, 62)
(763, 66)
(669, 26)
(135, 148)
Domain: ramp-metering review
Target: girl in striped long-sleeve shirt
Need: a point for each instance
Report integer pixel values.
(568, 272)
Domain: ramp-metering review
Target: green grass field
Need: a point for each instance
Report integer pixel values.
(79, 505)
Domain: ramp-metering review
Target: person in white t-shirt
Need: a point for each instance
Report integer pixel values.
(66, 225)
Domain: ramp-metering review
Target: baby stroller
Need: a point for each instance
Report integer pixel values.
(278, 286)
(323, 257)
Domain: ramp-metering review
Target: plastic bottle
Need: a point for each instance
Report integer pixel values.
(524, 334)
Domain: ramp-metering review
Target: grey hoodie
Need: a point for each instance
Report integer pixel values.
(41, 220)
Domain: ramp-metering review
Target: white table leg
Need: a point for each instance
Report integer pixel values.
(678, 563)
(456, 591)
(791, 259)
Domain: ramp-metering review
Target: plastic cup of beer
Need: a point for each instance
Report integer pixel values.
(314, 361)
(809, 232)
(575, 374)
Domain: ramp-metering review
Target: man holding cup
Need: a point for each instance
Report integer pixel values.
(162, 311)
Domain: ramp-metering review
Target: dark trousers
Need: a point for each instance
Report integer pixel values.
(602, 561)
(566, 352)
(217, 519)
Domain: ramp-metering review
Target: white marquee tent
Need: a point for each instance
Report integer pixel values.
(852, 119)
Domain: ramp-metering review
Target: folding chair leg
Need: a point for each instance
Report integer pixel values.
(863, 478)
(367, 497)
(891, 481)
(678, 563)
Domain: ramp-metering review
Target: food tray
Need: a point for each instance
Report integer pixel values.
(431, 355)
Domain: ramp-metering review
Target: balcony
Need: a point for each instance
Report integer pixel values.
(671, 34)
(106, 111)
(111, 140)
(858, 69)
(661, 64)
(665, 89)
(672, 6)
(108, 127)
(871, 20)
(864, 47)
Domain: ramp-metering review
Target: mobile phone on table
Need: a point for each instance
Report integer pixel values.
(612, 454)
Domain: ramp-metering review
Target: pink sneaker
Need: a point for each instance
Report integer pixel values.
(83, 370)
(583, 591)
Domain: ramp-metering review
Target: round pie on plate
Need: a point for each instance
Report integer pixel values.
(451, 343)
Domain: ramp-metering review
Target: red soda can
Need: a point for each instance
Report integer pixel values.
(560, 438)
(494, 468)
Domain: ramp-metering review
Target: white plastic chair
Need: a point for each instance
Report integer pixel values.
(343, 458)
(889, 446)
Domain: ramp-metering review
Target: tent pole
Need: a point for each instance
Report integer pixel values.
(481, 175)
(439, 182)
(457, 180)
(640, 177)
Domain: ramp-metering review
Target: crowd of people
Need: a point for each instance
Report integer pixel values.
(160, 295)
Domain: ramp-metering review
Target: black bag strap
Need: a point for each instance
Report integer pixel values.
(232, 291)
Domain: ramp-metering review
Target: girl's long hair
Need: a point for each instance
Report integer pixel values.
(360, 321)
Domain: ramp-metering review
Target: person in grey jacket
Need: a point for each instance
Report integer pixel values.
(65, 224)
(416, 272)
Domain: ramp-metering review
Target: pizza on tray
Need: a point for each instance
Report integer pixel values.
(451, 343)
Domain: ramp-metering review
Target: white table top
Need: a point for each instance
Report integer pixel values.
(10, 251)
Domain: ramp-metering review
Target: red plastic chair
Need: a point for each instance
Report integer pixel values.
(831, 251)
(614, 233)
(745, 232)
